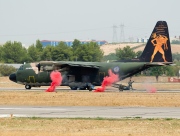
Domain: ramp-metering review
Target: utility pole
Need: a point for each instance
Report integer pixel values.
(114, 34)
(122, 37)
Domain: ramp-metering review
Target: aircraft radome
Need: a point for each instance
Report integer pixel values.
(85, 75)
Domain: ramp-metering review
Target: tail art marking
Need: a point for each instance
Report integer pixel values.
(158, 41)
(158, 47)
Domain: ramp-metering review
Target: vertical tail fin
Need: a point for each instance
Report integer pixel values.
(158, 47)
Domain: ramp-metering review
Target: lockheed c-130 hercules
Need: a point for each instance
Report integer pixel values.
(85, 75)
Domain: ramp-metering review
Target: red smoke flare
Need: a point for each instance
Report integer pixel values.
(56, 81)
(107, 81)
(150, 88)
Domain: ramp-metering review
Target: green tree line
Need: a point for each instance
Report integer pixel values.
(175, 42)
(14, 52)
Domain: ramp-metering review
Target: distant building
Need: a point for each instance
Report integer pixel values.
(175, 38)
(142, 40)
(70, 43)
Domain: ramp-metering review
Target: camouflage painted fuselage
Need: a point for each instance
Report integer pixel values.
(29, 74)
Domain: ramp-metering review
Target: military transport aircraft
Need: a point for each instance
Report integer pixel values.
(84, 75)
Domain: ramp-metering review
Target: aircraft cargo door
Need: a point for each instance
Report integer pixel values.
(101, 76)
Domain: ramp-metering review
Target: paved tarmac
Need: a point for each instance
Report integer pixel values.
(68, 89)
(89, 112)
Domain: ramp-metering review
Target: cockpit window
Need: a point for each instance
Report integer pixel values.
(21, 67)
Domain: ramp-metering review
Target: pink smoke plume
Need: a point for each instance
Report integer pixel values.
(149, 88)
(107, 81)
(56, 81)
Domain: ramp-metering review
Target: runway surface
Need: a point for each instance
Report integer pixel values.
(89, 112)
(68, 89)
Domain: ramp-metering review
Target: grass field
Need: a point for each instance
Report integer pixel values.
(89, 127)
(89, 99)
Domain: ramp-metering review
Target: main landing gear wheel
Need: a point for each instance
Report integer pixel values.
(120, 87)
(73, 88)
(27, 86)
(89, 88)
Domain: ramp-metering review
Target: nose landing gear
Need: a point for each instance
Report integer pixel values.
(27, 86)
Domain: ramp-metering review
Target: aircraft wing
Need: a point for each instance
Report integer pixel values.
(76, 64)
(50, 65)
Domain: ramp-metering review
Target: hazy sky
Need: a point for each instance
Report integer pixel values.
(29, 20)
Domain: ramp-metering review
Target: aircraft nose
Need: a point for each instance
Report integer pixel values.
(12, 77)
